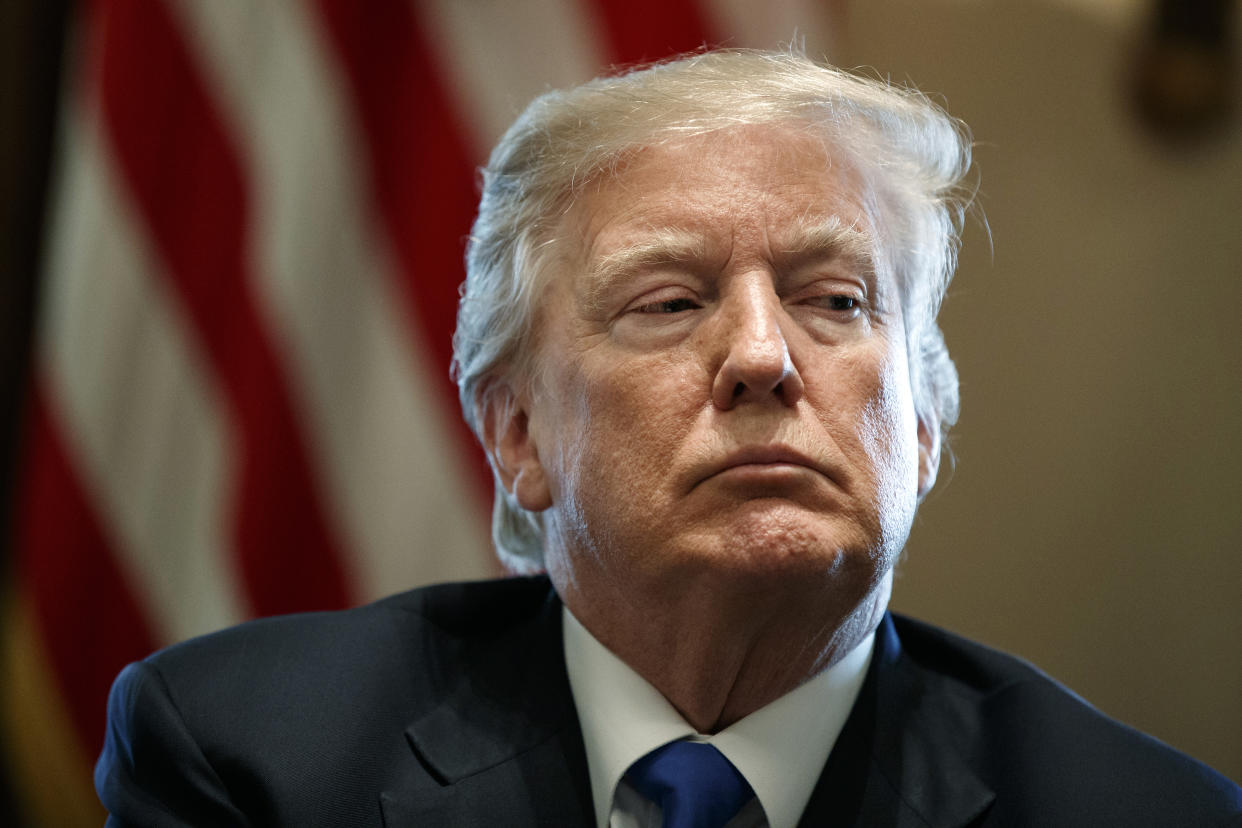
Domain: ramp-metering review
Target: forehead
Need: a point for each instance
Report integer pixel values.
(746, 192)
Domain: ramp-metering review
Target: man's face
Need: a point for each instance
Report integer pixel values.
(722, 391)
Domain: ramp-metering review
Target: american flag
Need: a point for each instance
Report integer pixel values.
(241, 403)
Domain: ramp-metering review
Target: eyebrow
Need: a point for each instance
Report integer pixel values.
(660, 247)
(831, 239)
(812, 239)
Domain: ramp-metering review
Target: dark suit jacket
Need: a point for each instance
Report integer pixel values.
(450, 706)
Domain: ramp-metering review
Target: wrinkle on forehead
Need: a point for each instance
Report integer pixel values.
(627, 222)
(810, 240)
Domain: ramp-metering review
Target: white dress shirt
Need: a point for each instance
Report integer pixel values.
(780, 749)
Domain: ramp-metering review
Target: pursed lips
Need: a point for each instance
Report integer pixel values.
(774, 455)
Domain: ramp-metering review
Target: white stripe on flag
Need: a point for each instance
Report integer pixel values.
(502, 53)
(135, 399)
(391, 466)
(773, 24)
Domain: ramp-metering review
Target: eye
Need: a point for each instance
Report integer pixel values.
(847, 305)
(668, 306)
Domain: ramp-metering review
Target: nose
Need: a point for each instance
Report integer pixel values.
(756, 365)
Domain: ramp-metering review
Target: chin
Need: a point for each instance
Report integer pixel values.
(788, 542)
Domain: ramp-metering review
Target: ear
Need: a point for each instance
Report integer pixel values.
(511, 448)
(929, 453)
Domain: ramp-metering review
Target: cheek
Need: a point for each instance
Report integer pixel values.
(639, 412)
(612, 443)
(615, 427)
(887, 430)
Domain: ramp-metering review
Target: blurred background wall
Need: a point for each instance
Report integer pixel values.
(1094, 520)
(239, 258)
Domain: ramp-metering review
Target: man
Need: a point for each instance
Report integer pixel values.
(698, 342)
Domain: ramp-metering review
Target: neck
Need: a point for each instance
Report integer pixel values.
(717, 654)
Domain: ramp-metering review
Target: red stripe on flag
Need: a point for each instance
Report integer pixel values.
(190, 189)
(89, 622)
(420, 174)
(642, 30)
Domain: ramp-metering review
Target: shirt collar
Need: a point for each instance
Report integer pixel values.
(780, 748)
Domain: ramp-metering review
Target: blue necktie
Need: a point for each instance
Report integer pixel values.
(692, 782)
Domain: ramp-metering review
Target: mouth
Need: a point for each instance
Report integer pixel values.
(772, 461)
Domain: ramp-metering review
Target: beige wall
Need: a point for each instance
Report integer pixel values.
(1094, 521)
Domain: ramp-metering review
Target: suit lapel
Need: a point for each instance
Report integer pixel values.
(498, 739)
(896, 762)
(501, 743)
